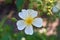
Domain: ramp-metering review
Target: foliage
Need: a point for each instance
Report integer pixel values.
(19, 4)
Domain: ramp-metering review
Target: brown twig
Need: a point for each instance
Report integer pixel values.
(10, 14)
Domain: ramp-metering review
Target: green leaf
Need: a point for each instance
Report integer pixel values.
(5, 37)
(13, 19)
(19, 4)
(8, 28)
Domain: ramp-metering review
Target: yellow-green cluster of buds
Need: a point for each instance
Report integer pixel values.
(44, 6)
(49, 7)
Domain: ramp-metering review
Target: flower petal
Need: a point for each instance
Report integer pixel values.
(23, 10)
(29, 30)
(23, 14)
(26, 13)
(32, 13)
(20, 25)
(38, 22)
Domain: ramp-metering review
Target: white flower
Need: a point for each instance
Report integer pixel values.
(29, 19)
(55, 9)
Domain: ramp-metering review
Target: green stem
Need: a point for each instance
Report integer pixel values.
(3, 21)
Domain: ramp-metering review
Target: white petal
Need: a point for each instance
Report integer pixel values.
(26, 13)
(20, 25)
(23, 10)
(23, 14)
(38, 22)
(29, 30)
(32, 13)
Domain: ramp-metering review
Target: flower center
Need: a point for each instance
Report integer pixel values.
(29, 20)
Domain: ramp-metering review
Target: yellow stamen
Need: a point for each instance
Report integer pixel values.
(29, 20)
